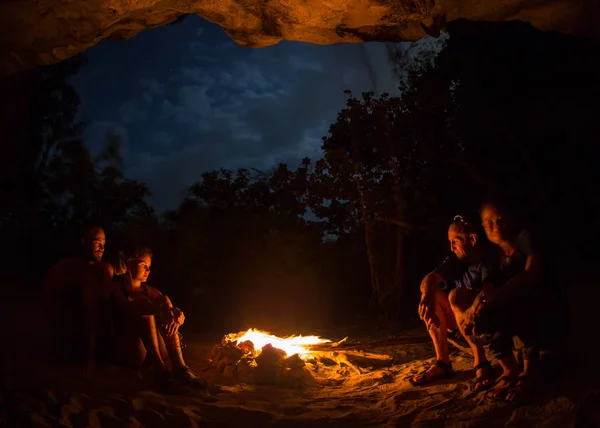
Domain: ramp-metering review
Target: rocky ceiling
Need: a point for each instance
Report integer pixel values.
(36, 32)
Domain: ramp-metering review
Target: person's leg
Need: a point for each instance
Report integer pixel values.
(180, 369)
(439, 336)
(460, 300)
(531, 334)
(172, 348)
(149, 335)
(129, 351)
(151, 339)
(499, 324)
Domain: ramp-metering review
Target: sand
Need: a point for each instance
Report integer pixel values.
(36, 392)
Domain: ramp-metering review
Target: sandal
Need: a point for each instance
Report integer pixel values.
(501, 387)
(521, 391)
(484, 381)
(447, 373)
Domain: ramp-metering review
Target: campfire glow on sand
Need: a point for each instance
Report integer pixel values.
(291, 345)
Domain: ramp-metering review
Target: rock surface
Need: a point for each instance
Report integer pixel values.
(36, 32)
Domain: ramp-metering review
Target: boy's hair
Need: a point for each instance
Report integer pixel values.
(497, 203)
(461, 224)
(91, 231)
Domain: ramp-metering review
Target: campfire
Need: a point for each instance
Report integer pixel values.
(259, 357)
(291, 345)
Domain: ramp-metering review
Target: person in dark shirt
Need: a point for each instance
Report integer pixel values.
(517, 311)
(73, 291)
(446, 294)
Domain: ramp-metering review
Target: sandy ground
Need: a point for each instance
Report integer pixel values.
(37, 393)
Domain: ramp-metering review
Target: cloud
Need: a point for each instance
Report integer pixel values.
(206, 103)
(131, 112)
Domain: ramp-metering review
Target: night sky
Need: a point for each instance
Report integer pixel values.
(186, 99)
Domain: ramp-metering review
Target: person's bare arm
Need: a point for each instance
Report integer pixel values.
(156, 305)
(518, 285)
(430, 283)
(172, 317)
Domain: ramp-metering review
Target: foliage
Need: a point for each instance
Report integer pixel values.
(312, 244)
(60, 186)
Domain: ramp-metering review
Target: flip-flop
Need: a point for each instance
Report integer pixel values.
(447, 373)
(480, 384)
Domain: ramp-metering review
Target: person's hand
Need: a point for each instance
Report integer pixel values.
(481, 320)
(178, 315)
(427, 310)
(467, 321)
(169, 323)
(476, 314)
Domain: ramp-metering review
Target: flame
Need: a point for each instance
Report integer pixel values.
(291, 344)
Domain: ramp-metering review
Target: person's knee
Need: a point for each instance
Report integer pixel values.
(145, 323)
(452, 298)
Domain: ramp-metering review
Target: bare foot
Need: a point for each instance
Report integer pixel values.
(440, 370)
(522, 390)
(502, 386)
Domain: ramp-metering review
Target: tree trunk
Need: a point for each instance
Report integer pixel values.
(369, 223)
(398, 272)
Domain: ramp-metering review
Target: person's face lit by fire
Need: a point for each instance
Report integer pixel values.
(461, 243)
(497, 225)
(93, 244)
(139, 268)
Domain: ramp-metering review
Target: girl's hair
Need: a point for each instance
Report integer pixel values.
(136, 252)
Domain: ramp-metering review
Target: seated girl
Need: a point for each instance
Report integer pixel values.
(147, 326)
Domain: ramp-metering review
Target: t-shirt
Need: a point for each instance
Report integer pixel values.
(510, 266)
(457, 273)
